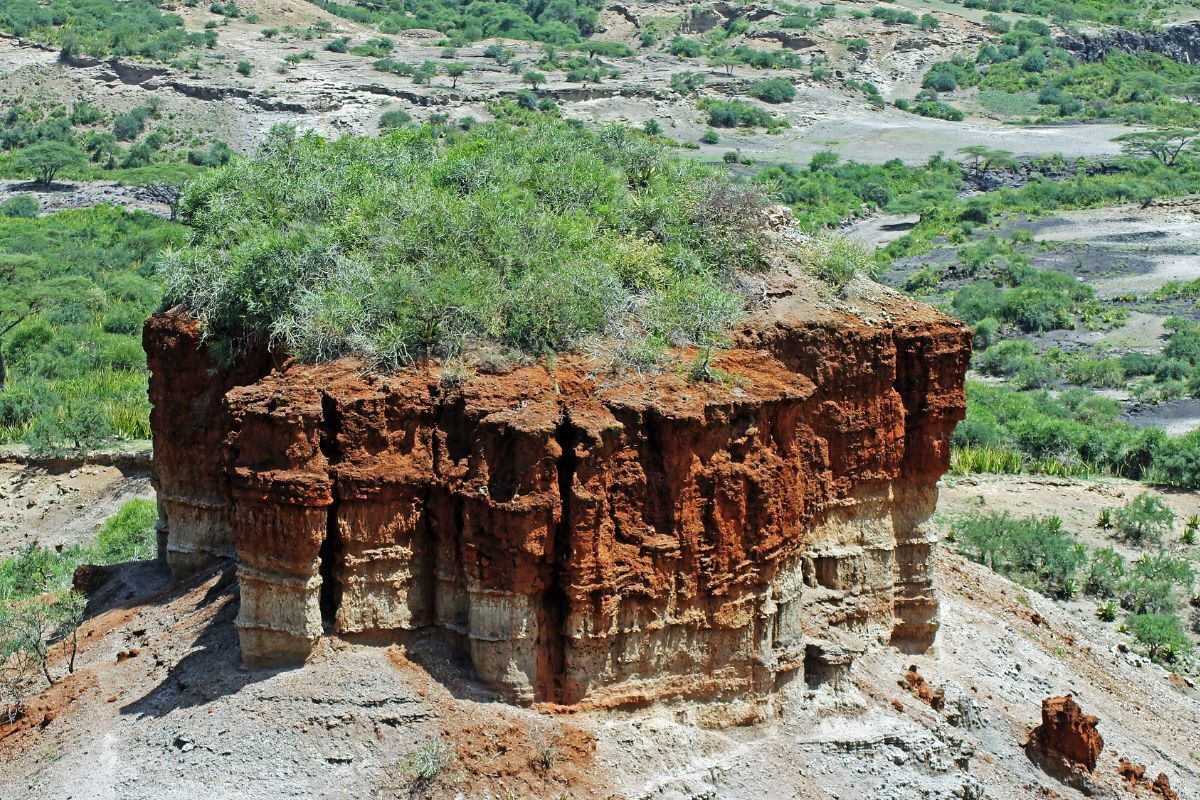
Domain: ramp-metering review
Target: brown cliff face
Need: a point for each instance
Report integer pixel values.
(582, 536)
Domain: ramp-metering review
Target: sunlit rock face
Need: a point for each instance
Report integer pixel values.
(582, 536)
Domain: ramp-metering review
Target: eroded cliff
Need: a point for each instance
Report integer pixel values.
(583, 536)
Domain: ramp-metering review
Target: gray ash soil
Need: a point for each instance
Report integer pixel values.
(160, 708)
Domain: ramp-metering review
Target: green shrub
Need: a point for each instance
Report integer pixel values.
(538, 238)
(394, 119)
(1162, 636)
(688, 82)
(1177, 462)
(710, 136)
(938, 110)
(1106, 573)
(1145, 518)
(830, 192)
(21, 205)
(1033, 551)
(737, 114)
(773, 90)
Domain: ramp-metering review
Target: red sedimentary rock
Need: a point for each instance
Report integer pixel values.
(1135, 775)
(1068, 732)
(582, 536)
(915, 682)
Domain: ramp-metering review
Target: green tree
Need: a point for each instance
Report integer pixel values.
(1165, 145)
(454, 71)
(1189, 90)
(45, 160)
(1162, 635)
(724, 59)
(534, 79)
(425, 72)
(982, 158)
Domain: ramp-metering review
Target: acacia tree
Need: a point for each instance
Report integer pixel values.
(1189, 90)
(1165, 145)
(455, 71)
(534, 79)
(984, 158)
(44, 160)
(723, 59)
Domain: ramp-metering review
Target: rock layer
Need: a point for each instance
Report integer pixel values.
(582, 536)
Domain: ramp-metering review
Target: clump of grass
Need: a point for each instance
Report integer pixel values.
(423, 766)
(1001, 460)
(835, 260)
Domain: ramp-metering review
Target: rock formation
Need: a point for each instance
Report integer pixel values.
(583, 536)
(1179, 43)
(1134, 775)
(1069, 733)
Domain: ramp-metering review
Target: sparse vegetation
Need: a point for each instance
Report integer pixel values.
(1143, 519)
(1038, 553)
(423, 767)
(561, 23)
(1033, 551)
(38, 608)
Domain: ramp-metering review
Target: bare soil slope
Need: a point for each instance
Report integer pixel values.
(61, 503)
(160, 708)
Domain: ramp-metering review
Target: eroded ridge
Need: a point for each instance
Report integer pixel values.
(583, 537)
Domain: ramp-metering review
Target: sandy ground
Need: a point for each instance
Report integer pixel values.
(57, 505)
(1162, 241)
(1077, 502)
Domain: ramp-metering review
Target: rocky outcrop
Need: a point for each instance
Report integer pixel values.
(189, 478)
(581, 536)
(1134, 775)
(1179, 43)
(1069, 733)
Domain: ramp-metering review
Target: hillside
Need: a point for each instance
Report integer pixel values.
(630, 400)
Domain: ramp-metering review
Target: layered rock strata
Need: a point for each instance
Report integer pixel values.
(583, 536)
